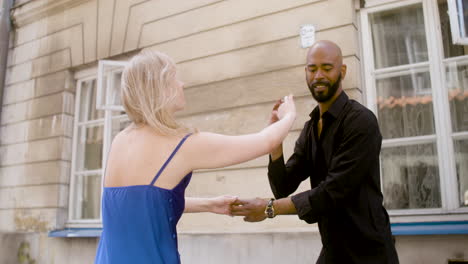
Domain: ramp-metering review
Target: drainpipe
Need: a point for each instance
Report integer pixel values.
(4, 43)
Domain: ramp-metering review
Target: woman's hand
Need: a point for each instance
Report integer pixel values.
(287, 107)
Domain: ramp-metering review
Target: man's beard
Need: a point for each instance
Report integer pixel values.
(329, 91)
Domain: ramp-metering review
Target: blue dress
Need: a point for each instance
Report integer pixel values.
(139, 222)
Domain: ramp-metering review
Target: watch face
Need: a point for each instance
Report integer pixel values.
(270, 212)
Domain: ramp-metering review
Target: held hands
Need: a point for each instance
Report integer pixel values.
(283, 108)
(253, 210)
(222, 204)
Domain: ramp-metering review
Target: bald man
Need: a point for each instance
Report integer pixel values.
(338, 150)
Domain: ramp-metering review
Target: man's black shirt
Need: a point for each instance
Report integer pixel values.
(345, 199)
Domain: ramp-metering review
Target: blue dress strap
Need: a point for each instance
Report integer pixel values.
(170, 158)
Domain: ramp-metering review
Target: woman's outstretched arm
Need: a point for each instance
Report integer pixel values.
(209, 150)
(217, 205)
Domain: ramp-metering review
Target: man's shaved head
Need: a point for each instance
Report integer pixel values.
(326, 47)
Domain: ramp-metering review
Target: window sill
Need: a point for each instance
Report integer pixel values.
(430, 228)
(398, 229)
(76, 232)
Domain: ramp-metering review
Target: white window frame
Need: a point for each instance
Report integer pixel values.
(450, 207)
(73, 196)
(103, 102)
(457, 22)
(458, 36)
(104, 85)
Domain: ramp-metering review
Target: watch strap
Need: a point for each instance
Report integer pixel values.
(269, 209)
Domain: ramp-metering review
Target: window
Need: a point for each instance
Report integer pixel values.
(458, 10)
(417, 85)
(99, 116)
(87, 156)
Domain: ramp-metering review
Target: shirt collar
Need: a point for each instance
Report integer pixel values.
(338, 105)
(335, 109)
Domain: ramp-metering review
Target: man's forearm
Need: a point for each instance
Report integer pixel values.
(277, 153)
(284, 206)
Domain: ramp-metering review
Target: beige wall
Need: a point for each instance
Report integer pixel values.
(228, 248)
(236, 57)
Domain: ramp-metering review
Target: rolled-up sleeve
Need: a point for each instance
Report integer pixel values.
(285, 178)
(306, 204)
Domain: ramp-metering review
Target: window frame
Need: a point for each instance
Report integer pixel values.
(102, 92)
(102, 98)
(72, 221)
(456, 27)
(453, 10)
(450, 206)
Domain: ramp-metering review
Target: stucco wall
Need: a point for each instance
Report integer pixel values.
(236, 58)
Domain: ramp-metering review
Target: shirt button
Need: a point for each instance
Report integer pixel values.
(170, 200)
(174, 236)
(170, 219)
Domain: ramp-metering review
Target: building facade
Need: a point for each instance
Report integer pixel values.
(407, 61)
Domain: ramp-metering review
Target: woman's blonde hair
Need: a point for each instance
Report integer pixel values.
(147, 92)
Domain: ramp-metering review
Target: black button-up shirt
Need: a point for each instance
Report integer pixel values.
(345, 199)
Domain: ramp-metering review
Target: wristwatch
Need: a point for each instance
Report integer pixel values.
(270, 210)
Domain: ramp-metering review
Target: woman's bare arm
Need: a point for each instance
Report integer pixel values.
(217, 205)
(209, 150)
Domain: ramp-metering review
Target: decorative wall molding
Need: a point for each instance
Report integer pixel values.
(27, 12)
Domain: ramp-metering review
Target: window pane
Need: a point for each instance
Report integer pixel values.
(88, 109)
(88, 196)
(114, 96)
(399, 36)
(89, 148)
(461, 157)
(450, 50)
(109, 78)
(410, 177)
(463, 7)
(457, 82)
(405, 105)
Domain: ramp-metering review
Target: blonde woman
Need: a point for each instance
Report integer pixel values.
(151, 162)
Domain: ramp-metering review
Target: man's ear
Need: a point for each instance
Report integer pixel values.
(343, 71)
